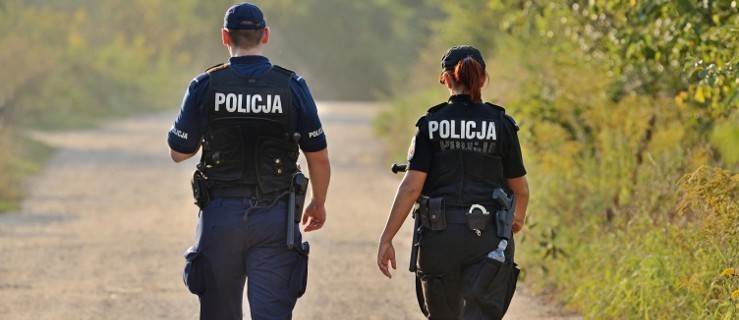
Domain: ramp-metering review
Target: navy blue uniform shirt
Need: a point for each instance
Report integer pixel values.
(191, 124)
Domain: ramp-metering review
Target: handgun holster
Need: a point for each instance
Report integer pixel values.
(200, 190)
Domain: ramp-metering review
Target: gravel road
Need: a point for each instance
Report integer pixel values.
(102, 231)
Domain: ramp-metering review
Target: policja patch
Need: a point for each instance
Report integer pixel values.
(412, 149)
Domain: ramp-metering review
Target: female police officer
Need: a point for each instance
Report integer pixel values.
(462, 151)
(250, 117)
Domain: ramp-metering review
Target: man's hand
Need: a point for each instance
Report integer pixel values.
(386, 258)
(314, 217)
(319, 171)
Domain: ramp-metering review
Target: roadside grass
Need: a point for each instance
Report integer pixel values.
(64, 105)
(24, 157)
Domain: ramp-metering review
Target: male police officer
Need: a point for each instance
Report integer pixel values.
(250, 117)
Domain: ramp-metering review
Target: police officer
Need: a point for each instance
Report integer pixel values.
(250, 118)
(462, 151)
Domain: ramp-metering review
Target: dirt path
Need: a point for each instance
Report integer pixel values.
(103, 229)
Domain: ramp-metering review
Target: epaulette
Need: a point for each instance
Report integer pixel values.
(495, 106)
(507, 116)
(283, 70)
(437, 107)
(431, 110)
(216, 67)
(199, 79)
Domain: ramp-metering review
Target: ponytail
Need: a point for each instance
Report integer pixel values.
(470, 73)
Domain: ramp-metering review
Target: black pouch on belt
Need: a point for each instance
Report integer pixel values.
(200, 189)
(478, 217)
(437, 216)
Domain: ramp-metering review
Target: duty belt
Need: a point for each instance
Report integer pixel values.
(435, 215)
(234, 192)
(459, 214)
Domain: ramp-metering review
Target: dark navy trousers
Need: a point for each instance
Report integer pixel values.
(449, 263)
(230, 252)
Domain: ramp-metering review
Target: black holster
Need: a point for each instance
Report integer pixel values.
(300, 187)
(200, 189)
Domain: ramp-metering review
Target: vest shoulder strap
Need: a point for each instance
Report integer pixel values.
(431, 110)
(437, 107)
(506, 116)
(495, 106)
(283, 70)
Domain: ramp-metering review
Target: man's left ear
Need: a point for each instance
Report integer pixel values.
(265, 38)
(225, 37)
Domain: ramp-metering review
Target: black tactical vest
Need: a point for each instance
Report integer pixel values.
(467, 162)
(247, 145)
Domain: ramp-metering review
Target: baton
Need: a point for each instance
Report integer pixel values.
(295, 137)
(403, 167)
(399, 167)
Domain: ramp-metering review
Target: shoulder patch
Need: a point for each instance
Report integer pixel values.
(217, 67)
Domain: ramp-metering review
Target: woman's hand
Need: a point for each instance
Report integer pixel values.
(386, 257)
(517, 224)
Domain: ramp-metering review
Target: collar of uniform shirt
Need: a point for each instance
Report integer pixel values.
(250, 66)
(460, 98)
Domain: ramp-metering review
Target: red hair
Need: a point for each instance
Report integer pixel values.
(470, 74)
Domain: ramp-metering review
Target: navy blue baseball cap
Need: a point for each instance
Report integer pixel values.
(457, 53)
(244, 16)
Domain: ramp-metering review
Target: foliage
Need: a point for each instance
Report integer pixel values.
(75, 62)
(681, 48)
(354, 50)
(85, 64)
